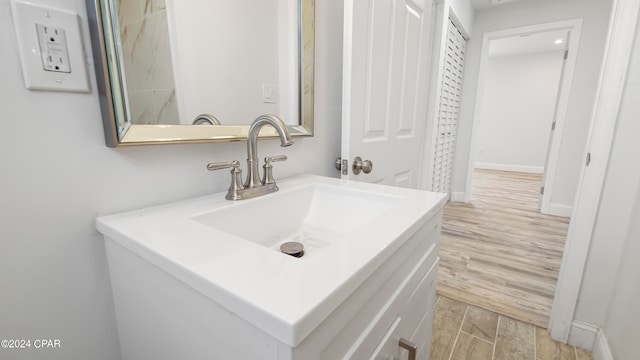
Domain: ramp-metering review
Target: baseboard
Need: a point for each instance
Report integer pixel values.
(557, 209)
(583, 335)
(510, 167)
(601, 349)
(457, 197)
(549, 209)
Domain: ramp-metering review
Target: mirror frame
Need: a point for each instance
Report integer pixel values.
(112, 96)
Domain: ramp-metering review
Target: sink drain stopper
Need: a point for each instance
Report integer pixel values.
(292, 248)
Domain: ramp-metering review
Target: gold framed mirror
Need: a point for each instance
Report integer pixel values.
(160, 64)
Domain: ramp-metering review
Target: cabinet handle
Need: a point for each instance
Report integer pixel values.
(411, 347)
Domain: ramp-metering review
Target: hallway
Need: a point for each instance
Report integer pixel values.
(499, 252)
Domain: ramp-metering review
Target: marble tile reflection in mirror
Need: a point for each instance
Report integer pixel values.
(146, 55)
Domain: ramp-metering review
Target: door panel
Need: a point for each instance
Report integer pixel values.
(384, 88)
(545, 197)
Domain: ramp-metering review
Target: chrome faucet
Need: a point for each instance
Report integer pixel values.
(253, 176)
(253, 185)
(206, 119)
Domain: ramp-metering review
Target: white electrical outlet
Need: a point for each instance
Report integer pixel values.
(53, 48)
(50, 46)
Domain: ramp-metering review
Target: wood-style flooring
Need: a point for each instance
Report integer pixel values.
(466, 332)
(499, 252)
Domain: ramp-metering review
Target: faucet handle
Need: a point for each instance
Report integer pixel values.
(268, 168)
(270, 159)
(235, 164)
(236, 176)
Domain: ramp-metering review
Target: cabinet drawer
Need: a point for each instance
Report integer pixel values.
(357, 327)
(403, 317)
(413, 323)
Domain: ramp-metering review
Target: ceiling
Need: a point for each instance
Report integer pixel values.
(528, 44)
(524, 44)
(485, 4)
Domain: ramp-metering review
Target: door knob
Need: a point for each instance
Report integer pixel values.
(361, 165)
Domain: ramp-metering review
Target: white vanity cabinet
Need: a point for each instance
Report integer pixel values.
(395, 302)
(172, 306)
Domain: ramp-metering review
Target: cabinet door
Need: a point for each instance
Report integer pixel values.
(412, 324)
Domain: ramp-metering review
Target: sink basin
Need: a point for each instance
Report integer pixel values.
(227, 250)
(315, 215)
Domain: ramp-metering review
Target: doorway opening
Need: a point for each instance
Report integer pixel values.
(518, 104)
(499, 251)
(535, 131)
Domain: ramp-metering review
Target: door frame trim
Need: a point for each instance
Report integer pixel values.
(574, 26)
(621, 34)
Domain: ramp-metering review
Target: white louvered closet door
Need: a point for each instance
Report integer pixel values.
(445, 126)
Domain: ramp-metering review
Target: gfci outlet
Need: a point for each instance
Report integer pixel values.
(51, 48)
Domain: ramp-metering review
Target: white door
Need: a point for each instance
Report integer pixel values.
(385, 75)
(542, 197)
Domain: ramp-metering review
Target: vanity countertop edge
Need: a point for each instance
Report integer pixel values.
(214, 268)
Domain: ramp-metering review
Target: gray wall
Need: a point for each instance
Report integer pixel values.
(595, 14)
(517, 110)
(57, 176)
(610, 290)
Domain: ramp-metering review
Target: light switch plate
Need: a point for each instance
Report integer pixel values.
(268, 93)
(50, 48)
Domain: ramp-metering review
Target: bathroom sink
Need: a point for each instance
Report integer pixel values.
(315, 215)
(229, 250)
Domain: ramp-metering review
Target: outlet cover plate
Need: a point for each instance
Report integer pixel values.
(27, 16)
(53, 47)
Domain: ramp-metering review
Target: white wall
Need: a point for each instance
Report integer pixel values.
(595, 14)
(57, 175)
(518, 103)
(221, 59)
(463, 12)
(610, 291)
(622, 324)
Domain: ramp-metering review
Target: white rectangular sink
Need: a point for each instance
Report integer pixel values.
(315, 215)
(227, 250)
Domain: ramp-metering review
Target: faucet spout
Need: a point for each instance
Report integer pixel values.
(253, 175)
(206, 119)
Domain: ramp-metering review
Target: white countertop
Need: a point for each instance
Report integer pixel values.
(286, 297)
